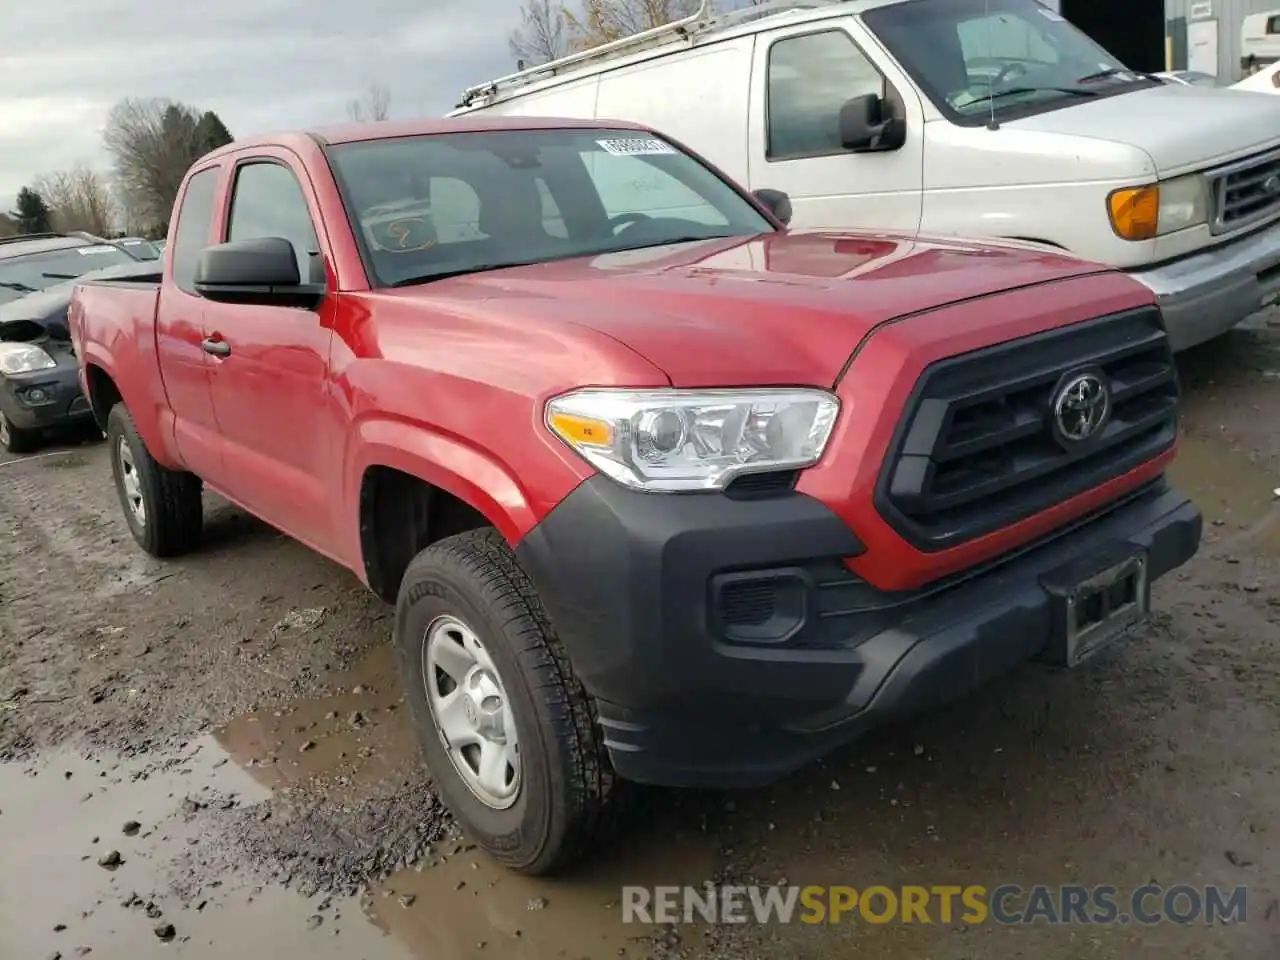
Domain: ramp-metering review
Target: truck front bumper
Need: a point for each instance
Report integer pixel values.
(726, 644)
(1206, 294)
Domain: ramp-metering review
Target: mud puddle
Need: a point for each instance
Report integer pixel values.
(308, 830)
(93, 845)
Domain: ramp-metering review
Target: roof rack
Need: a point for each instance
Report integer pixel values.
(32, 236)
(701, 22)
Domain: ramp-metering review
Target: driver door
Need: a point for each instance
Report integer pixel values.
(800, 78)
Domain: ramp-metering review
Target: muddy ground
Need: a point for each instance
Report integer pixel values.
(211, 756)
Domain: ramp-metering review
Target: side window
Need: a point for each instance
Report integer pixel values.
(989, 43)
(635, 185)
(1273, 25)
(269, 202)
(455, 210)
(195, 217)
(810, 78)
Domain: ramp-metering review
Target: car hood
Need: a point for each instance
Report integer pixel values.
(1182, 128)
(786, 308)
(48, 307)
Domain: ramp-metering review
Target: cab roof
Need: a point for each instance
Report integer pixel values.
(39, 243)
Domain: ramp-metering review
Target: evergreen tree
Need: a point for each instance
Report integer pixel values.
(32, 214)
(211, 132)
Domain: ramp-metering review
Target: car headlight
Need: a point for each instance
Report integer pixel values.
(686, 440)
(1141, 213)
(23, 358)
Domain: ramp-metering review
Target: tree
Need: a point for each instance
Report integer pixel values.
(78, 199)
(152, 143)
(212, 132)
(374, 105)
(603, 21)
(543, 34)
(31, 213)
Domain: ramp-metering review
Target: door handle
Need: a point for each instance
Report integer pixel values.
(217, 348)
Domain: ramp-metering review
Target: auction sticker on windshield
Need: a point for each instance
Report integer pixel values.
(635, 146)
(99, 248)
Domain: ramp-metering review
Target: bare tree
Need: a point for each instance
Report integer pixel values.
(79, 199)
(374, 105)
(602, 21)
(543, 34)
(152, 143)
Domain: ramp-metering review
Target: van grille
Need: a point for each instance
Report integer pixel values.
(977, 449)
(1246, 193)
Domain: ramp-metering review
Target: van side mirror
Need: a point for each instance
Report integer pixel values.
(867, 125)
(776, 202)
(261, 271)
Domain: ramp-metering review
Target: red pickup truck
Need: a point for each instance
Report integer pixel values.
(661, 490)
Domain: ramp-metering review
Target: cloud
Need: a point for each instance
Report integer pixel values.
(261, 64)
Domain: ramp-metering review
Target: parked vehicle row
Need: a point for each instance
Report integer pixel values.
(993, 118)
(39, 390)
(660, 489)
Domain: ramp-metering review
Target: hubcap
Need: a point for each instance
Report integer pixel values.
(130, 483)
(472, 712)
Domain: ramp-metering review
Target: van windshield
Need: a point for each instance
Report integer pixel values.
(1011, 57)
(440, 205)
(32, 272)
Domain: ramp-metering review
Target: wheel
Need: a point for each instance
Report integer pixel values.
(509, 734)
(164, 508)
(15, 440)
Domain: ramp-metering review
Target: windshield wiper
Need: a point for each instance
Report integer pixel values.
(1115, 72)
(61, 276)
(20, 287)
(996, 95)
(463, 271)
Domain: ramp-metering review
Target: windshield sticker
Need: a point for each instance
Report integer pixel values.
(635, 146)
(1053, 15)
(100, 248)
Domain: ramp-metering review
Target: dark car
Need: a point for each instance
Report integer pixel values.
(38, 387)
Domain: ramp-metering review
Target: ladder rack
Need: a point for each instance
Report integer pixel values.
(699, 23)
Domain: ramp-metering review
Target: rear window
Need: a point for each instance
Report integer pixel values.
(32, 272)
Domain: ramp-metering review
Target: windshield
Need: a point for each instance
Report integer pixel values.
(1010, 57)
(438, 205)
(28, 273)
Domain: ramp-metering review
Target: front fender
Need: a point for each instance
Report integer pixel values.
(449, 463)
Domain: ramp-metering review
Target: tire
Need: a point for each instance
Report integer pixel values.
(172, 508)
(565, 785)
(15, 440)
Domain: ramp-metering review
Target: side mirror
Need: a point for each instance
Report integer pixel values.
(776, 202)
(261, 271)
(867, 125)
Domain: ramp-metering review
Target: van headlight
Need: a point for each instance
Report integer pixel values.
(1141, 213)
(686, 440)
(23, 358)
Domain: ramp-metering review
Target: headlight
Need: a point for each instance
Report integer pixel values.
(678, 440)
(23, 358)
(1140, 213)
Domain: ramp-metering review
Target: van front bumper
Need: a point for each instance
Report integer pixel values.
(1206, 294)
(725, 643)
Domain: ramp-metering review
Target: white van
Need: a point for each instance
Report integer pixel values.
(1259, 40)
(985, 118)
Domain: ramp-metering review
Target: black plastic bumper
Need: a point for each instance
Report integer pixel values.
(44, 398)
(726, 644)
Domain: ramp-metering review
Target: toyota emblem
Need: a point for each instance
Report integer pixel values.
(1081, 407)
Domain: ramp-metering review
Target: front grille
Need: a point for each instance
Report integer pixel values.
(1246, 193)
(976, 450)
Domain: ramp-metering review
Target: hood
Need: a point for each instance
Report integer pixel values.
(1181, 128)
(786, 308)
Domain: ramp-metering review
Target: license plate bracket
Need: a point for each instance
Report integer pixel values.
(1094, 601)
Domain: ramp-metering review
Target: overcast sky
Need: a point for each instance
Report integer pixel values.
(261, 64)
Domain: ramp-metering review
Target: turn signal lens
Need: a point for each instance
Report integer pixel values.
(1135, 212)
